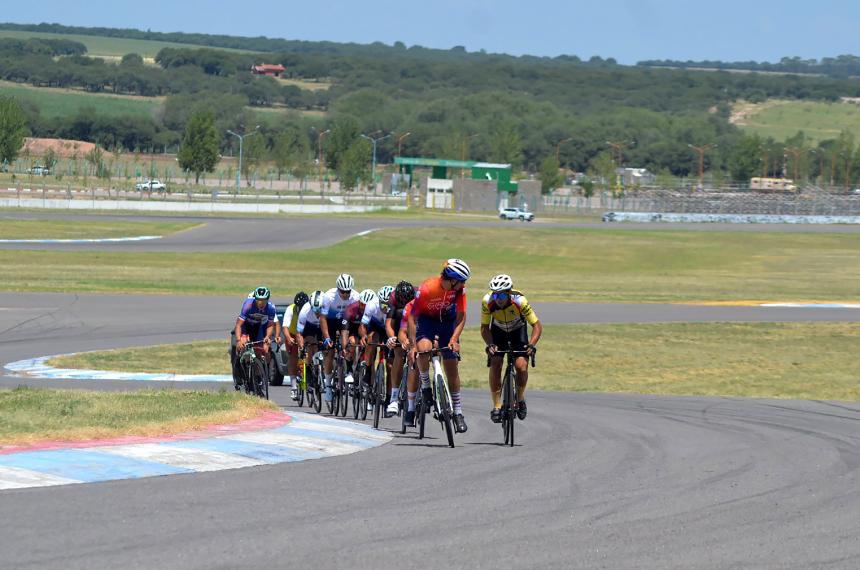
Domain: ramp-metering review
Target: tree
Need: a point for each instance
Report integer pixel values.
(13, 127)
(290, 149)
(198, 152)
(95, 158)
(354, 164)
(507, 147)
(254, 149)
(550, 176)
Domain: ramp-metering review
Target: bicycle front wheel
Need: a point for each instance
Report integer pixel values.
(507, 408)
(260, 379)
(378, 394)
(446, 414)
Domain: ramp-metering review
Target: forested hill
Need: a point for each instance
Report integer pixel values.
(453, 103)
(841, 66)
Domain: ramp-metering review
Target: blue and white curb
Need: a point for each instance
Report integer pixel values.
(305, 437)
(36, 368)
(82, 240)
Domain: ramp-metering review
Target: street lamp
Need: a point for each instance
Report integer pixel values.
(374, 141)
(400, 141)
(701, 150)
(241, 141)
(319, 152)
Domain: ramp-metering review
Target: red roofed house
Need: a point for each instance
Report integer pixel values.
(268, 70)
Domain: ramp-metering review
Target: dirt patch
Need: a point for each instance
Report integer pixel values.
(62, 148)
(743, 110)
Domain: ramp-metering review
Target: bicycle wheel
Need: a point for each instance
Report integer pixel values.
(507, 406)
(357, 389)
(446, 414)
(247, 380)
(316, 389)
(378, 393)
(344, 392)
(421, 410)
(260, 379)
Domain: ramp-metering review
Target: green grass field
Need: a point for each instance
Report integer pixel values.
(103, 46)
(65, 102)
(46, 229)
(548, 264)
(763, 360)
(819, 121)
(28, 415)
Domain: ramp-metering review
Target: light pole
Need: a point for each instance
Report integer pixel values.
(319, 153)
(618, 147)
(701, 150)
(241, 141)
(373, 168)
(400, 141)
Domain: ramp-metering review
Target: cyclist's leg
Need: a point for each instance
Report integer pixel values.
(521, 364)
(394, 377)
(426, 331)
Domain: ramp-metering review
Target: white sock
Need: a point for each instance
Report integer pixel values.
(395, 392)
(410, 401)
(458, 403)
(425, 379)
(327, 380)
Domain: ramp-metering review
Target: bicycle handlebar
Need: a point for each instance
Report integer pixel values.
(525, 352)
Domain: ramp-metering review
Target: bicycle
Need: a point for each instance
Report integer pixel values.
(255, 375)
(302, 385)
(376, 393)
(403, 395)
(509, 393)
(443, 407)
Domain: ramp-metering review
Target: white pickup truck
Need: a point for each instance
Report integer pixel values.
(150, 185)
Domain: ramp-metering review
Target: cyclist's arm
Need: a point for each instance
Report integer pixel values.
(537, 330)
(238, 331)
(411, 330)
(459, 325)
(389, 327)
(300, 341)
(324, 328)
(362, 333)
(269, 328)
(486, 334)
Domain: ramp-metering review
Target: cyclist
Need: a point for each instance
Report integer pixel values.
(256, 322)
(505, 314)
(409, 353)
(290, 328)
(371, 329)
(308, 323)
(403, 294)
(335, 302)
(383, 295)
(440, 310)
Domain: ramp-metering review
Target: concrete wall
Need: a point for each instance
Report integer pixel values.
(475, 195)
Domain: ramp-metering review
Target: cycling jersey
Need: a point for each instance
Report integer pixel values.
(404, 319)
(307, 318)
(291, 319)
(334, 307)
(373, 315)
(395, 311)
(256, 320)
(434, 302)
(515, 315)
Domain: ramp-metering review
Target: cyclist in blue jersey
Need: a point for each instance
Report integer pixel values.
(256, 322)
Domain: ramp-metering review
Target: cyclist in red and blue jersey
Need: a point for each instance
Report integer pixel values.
(256, 322)
(440, 310)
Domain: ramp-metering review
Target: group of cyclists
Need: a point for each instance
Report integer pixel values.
(406, 321)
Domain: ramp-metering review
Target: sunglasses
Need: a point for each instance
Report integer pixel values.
(501, 296)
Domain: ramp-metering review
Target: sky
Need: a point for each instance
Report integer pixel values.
(627, 30)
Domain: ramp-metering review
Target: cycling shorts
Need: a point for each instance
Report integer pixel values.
(517, 337)
(429, 328)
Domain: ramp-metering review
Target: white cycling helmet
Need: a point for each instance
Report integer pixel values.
(501, 282)
(367, 296)
(345, 282)
(316, 301)
(384, 293)
(456, 269)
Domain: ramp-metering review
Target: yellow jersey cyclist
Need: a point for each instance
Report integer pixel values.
(290, 329)
(505, 316)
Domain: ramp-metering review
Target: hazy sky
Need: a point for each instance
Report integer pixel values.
(628, 30)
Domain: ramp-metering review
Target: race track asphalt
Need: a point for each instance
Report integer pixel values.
(596, 480)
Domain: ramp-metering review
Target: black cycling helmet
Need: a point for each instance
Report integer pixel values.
(262, 292)
(300, 299)
(404, 292)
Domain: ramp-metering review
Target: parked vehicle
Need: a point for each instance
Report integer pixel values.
(516, 214)
(150, 185)
(39, 170)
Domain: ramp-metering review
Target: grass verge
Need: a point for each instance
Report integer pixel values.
(763, 360)
(552, 264)
(29, 415)
(62, 229)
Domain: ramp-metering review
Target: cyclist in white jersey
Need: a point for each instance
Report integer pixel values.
(335, 303)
